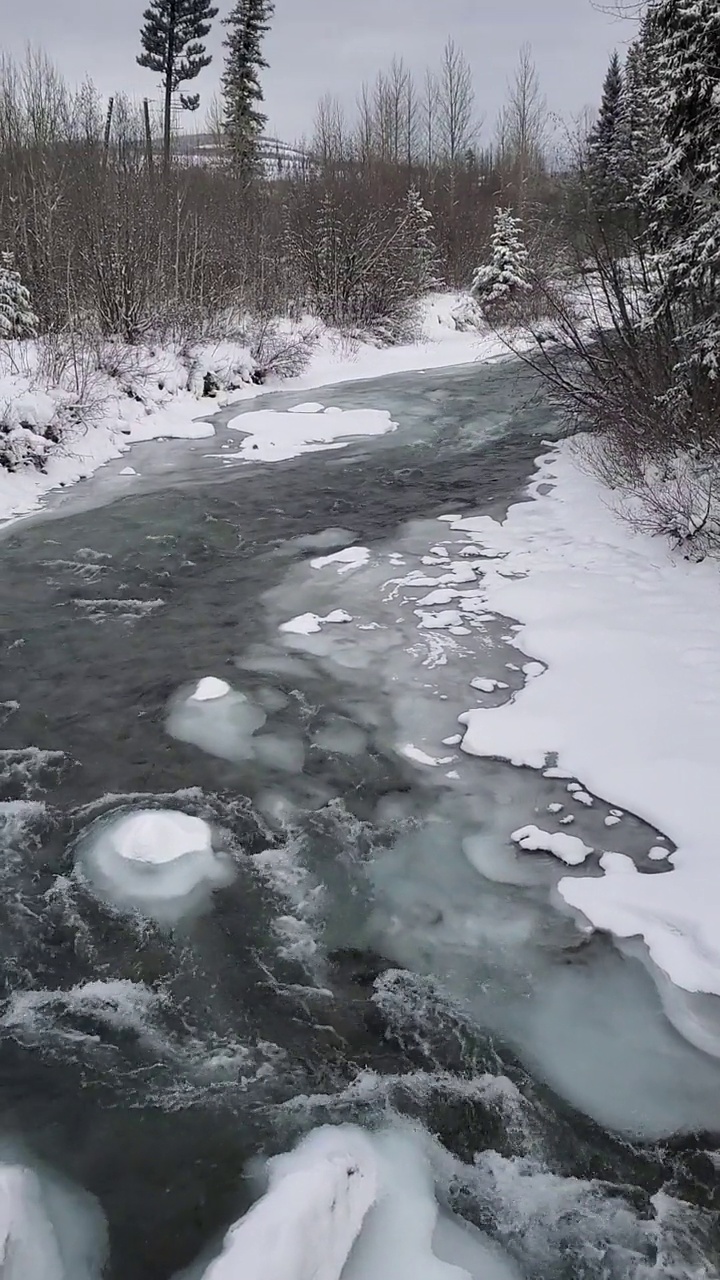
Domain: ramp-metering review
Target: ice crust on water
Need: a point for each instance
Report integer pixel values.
(347, 1204)
(158, 862)
(49, 1229)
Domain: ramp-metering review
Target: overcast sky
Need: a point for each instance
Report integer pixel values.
(320, 46)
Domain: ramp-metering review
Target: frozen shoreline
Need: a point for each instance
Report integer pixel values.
(629, 701)
(179, 414)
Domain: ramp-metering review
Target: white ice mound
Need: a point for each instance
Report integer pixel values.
(352, 1205)
(216, 718)
(156, 861)
(49, 1230)
(569, 849)
(209, 689)
(304, 1227)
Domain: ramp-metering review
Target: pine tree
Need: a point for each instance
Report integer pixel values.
(637, 146)
(17, 318)
(172, 42)
(506, 274)
(416, 223)
(246, 25)
(604, 137)
(682, 194)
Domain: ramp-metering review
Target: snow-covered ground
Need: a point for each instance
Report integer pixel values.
(157, 395)
(629, 703)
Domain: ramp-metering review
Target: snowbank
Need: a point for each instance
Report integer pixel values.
(630, 702)
(147, 394)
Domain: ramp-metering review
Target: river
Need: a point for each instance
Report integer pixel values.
(369, 955)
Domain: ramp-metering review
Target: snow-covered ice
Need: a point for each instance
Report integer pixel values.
(305, 1225)
(357, 1205)
(274, 435)
(568, 849)
(210, 688)
(307, 624)
(615, 617)
(346, 560)
(156, 861)
(49, 1229)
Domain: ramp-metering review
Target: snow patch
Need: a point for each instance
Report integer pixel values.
(568, 849)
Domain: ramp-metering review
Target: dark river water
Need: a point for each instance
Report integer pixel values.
(212, 1042)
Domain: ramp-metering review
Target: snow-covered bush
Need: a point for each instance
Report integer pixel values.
(500, 280)
(17, 318)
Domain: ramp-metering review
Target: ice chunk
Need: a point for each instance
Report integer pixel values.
(222, 724)
(569, 849)
(486, 685)
(49, 1229)
(310, 406)
(209, 689)
(128, 471)
(612, 821)
(155, 861)
(657, 853)
(304, 1227)
(348, 559)
(307, 624)
(555, 808)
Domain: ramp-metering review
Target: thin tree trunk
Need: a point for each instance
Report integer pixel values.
(169, 71)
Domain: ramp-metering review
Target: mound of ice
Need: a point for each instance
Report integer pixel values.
(569, 849)
(155, 861)
(304, 1227)
(49, 1230)
(357, 1206)
(216, 718)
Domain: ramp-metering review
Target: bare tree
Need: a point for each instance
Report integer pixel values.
(456, 103)
(431, 112)
(523, 126)
(330, 136)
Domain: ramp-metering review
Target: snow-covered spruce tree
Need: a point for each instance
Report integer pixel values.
(682, 193)
(416, 224)
(637, 145)
(172, 46)
(604, 137)
(505, 276)
(244, 120)
(17, 318)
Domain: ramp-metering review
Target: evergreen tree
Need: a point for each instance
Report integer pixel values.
(505, 275)
(638, 136)
(17, 318)
(604, 137)
(682, 194)
(172, 43)
(416, 225)
(246, 25)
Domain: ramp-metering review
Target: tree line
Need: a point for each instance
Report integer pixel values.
(173, 46)
(643, 367)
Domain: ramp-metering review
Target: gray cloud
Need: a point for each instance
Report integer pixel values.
(319, 46)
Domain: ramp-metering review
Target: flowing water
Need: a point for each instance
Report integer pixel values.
(378, 950)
